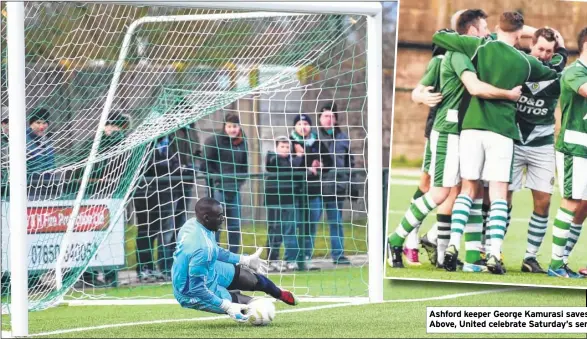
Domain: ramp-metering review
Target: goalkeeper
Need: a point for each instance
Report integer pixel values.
(203, 272)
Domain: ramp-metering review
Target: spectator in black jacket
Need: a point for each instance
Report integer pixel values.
(281, 189)
(307, 146)
(186, 142)
(225, 161)
(102, 172)
(336, 180)
(153, 204)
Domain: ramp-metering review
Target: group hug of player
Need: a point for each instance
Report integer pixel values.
(493, 119)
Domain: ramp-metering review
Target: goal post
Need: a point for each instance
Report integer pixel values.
(266, 63)
(18, 187)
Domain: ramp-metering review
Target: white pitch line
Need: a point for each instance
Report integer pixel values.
(314, 308)
(164, 301)
(404, 182)
(458, 295)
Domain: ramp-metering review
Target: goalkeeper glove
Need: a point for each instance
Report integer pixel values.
(235, 311)
(254, 261)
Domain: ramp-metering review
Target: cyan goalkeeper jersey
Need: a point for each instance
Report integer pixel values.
(194, 277)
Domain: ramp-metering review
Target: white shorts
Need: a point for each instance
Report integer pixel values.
(427, 157)
(444, 163)
(572, 177)
(539, 165)
(485, 155)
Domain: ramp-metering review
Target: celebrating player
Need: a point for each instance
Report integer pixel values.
(534, 152)
(444, 139)
(203, 272)
(489, 129)
(571, 156)
(427, 93)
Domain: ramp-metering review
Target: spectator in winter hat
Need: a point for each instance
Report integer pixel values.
(40, 152)
(306, 145)
(336, 180)
(226, 161)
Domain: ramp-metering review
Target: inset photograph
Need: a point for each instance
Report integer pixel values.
(489, 144)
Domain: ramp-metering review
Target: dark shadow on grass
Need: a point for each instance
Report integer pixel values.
(462, 287)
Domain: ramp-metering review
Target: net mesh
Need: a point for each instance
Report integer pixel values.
(165, 145)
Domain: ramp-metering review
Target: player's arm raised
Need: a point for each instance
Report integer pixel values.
(452, 41)
(463, 66)
(484, 90)
(528, 31)
(561, 55)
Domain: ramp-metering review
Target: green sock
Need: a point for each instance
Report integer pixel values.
(575, 232)
(460, 216)
(485, 239)
(418, 210)
(498, 215)
(416, 195)
(474, 233)
(536, 232)
(560, 235)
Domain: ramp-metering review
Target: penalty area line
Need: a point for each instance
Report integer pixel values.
(296, 310)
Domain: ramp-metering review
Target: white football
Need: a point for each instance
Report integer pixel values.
(261, 312)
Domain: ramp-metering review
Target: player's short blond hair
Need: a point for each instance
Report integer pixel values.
(455, 18)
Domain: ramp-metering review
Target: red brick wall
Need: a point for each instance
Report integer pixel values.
(417, 22)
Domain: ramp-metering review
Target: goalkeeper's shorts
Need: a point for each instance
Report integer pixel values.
(225, 273)
(196, 304)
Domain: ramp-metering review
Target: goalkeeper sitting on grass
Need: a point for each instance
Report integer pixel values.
(203, 272)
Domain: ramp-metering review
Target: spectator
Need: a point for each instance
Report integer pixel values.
(225, 161)
(336, 180)
(154, 211)
(280, 192)
(114, 132)
(40, 152)
(307, 146)
(187, 144)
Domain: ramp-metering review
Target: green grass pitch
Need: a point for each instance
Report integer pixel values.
(514, 246)
(403, 315)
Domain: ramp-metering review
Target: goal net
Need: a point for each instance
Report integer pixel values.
(135, 112)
